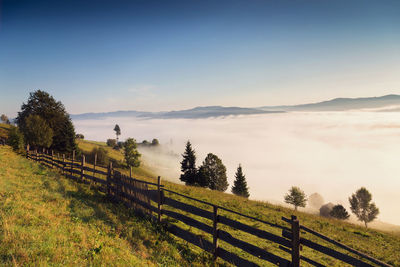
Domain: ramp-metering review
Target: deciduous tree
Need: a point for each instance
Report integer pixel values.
(339, 212)
(214, 173)
(15, 139)
(53, 112)
(132, 156)
(315, 200)
(38, 132)
(111, 142)
(296, 197)
(361, 205)
(4, 118)
(117, 131)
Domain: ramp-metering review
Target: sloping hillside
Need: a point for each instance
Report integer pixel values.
(46, 219)
(381, 245)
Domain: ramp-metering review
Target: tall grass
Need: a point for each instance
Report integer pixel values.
(46, 219)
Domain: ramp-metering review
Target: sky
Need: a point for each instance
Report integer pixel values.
(98, 56)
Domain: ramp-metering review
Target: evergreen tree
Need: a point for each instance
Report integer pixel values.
(44, 105)
(117, 131)
(296, 197)
(188, 165)
(132, 156)
(361, 206)
(339, 212)
(240, 185)
(213, 172)
(38, 132)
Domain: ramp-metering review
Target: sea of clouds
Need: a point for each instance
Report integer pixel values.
(332, 153)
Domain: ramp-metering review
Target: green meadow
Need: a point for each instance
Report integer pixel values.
(46, 219)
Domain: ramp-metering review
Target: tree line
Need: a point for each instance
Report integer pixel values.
(361, 205)
(211, 174)
(43, 123)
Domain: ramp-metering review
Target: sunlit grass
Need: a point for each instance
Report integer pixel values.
(46, 219)
(379, 244)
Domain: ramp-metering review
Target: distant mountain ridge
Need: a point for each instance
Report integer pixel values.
(343, 104)
(391, 102)
(194, 113)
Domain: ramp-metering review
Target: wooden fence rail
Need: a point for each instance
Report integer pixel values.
(149, 198)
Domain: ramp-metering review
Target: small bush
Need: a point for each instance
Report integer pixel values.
(111, 142)
(16, 139)
(102, 156)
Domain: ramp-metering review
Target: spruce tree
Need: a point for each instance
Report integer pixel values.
(188, 166)
(240, 185)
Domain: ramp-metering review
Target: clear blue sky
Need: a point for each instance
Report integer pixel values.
(161, 55)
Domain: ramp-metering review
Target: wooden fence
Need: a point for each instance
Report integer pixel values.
(161, 204)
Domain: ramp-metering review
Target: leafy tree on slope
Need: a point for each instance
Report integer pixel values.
(361, 205)
(53, 112)
(296, 197)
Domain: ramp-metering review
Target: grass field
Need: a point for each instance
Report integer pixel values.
(379, 244)
(49, 219)
(46, 219)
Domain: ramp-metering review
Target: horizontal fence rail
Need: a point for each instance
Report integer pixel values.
(150, 199)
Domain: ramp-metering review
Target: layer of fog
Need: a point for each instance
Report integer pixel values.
(332, 153)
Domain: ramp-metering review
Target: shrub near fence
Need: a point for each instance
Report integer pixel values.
(210, 227)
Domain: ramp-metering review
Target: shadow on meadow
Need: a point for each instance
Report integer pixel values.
(92, 207)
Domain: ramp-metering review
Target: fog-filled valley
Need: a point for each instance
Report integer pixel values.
(332, 153)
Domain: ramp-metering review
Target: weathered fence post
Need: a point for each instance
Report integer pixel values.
(82, 167)
(36, 156)
(160, 198)
(72, 162)
(27, 151)
(295, 241)
(134, 184)
(215, 232)
(94, 170)
(52, 159)
(63, 164)
(109, 174)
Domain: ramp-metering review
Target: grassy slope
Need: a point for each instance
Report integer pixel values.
(4, 128)
(382, 245)
(379, 244)
(46, 219)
